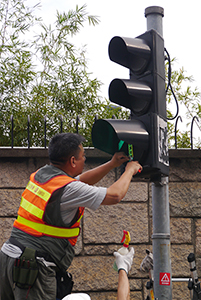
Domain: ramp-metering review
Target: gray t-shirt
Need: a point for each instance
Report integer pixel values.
(80, 194)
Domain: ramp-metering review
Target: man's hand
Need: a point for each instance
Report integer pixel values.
(118, 159)
(124, 262)
(134, 166)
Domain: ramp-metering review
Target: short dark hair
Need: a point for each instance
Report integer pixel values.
(64, 145)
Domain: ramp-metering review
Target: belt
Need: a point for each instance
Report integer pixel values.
(46, 256)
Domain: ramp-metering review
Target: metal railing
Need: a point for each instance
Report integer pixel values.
(195, 118)
(45, 129)
(179, 118)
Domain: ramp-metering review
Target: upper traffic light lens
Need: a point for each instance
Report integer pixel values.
(134, 95)
(130, 53)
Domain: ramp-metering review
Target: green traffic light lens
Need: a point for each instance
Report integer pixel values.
(104, 137)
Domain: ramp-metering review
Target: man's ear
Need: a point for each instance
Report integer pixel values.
(72, 162)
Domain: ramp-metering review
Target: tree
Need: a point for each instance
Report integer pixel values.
(189, 101)
(44, 77)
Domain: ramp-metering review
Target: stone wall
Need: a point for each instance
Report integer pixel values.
(102, 230)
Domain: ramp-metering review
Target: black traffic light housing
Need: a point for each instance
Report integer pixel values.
(144, 94)
(145, 90)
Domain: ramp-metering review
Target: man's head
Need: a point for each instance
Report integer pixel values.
(65, 149)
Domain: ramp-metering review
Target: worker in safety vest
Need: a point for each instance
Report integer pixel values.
(33, 262)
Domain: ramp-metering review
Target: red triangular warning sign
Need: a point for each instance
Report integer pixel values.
(164, 278)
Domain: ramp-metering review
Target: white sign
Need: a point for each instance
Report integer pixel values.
(163, 156)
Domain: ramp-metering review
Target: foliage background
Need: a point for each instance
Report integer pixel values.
(44, 78)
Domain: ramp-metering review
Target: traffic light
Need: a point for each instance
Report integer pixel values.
(144, 136)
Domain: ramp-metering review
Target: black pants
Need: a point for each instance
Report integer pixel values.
(44, 287)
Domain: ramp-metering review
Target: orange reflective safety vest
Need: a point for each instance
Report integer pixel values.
(32, 208)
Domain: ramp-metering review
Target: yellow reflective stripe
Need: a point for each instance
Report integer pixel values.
(50, 230)
(80, 218)
(31, 208)
(38, 191)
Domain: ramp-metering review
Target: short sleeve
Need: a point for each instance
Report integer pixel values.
(78, 194)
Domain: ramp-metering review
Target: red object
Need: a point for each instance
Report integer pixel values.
(164, 278)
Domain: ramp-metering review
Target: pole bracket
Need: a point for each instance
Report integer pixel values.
(161, 236)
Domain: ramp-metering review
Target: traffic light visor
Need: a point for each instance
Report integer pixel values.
(114, 135)
(132, 53)
(134, 95)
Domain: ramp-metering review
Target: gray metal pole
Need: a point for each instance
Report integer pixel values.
(161, 240)
(160, 202)
(154, 15)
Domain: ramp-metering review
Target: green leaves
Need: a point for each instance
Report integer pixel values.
(189, 104)
(45, 77)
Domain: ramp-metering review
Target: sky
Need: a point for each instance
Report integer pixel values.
(181, 32)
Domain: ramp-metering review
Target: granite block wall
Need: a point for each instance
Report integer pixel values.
(102, 230)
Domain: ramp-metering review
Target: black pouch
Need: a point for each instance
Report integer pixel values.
(25, 269)
(64, 284)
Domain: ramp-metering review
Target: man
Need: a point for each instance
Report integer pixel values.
(123, 263)
(49, 216)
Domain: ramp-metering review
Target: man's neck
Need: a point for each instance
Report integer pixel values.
(63, 168)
